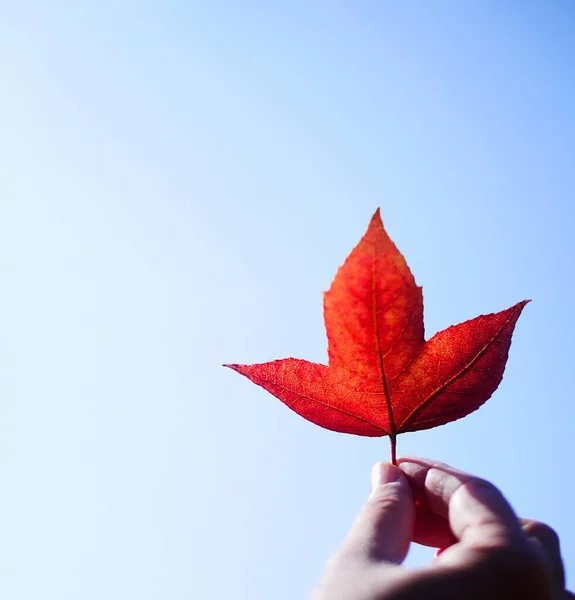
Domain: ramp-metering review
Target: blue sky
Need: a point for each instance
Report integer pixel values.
(180, 182)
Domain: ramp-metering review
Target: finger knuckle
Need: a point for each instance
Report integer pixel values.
(542, 532)
(482, 487)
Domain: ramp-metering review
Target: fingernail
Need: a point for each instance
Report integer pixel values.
(384, 473)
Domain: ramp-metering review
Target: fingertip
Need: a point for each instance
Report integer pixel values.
(415, 472)
(416, 459)
(410, 458)
(418, 462)
(384, 472)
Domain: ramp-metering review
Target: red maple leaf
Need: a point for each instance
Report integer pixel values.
(383, 378)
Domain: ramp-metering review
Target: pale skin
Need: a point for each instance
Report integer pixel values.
(485, 551)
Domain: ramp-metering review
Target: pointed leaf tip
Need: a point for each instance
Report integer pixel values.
(376, 219)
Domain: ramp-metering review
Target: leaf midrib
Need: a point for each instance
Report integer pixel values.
(392, 430)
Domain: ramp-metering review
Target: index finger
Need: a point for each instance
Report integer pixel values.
(477, 511)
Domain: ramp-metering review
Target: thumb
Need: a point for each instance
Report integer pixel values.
(383, 529)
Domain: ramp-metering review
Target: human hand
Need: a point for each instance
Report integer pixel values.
(484, 550)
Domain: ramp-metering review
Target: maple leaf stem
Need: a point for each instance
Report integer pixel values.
(393, 442)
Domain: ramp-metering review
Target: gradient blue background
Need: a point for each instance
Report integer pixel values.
(179, 183)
